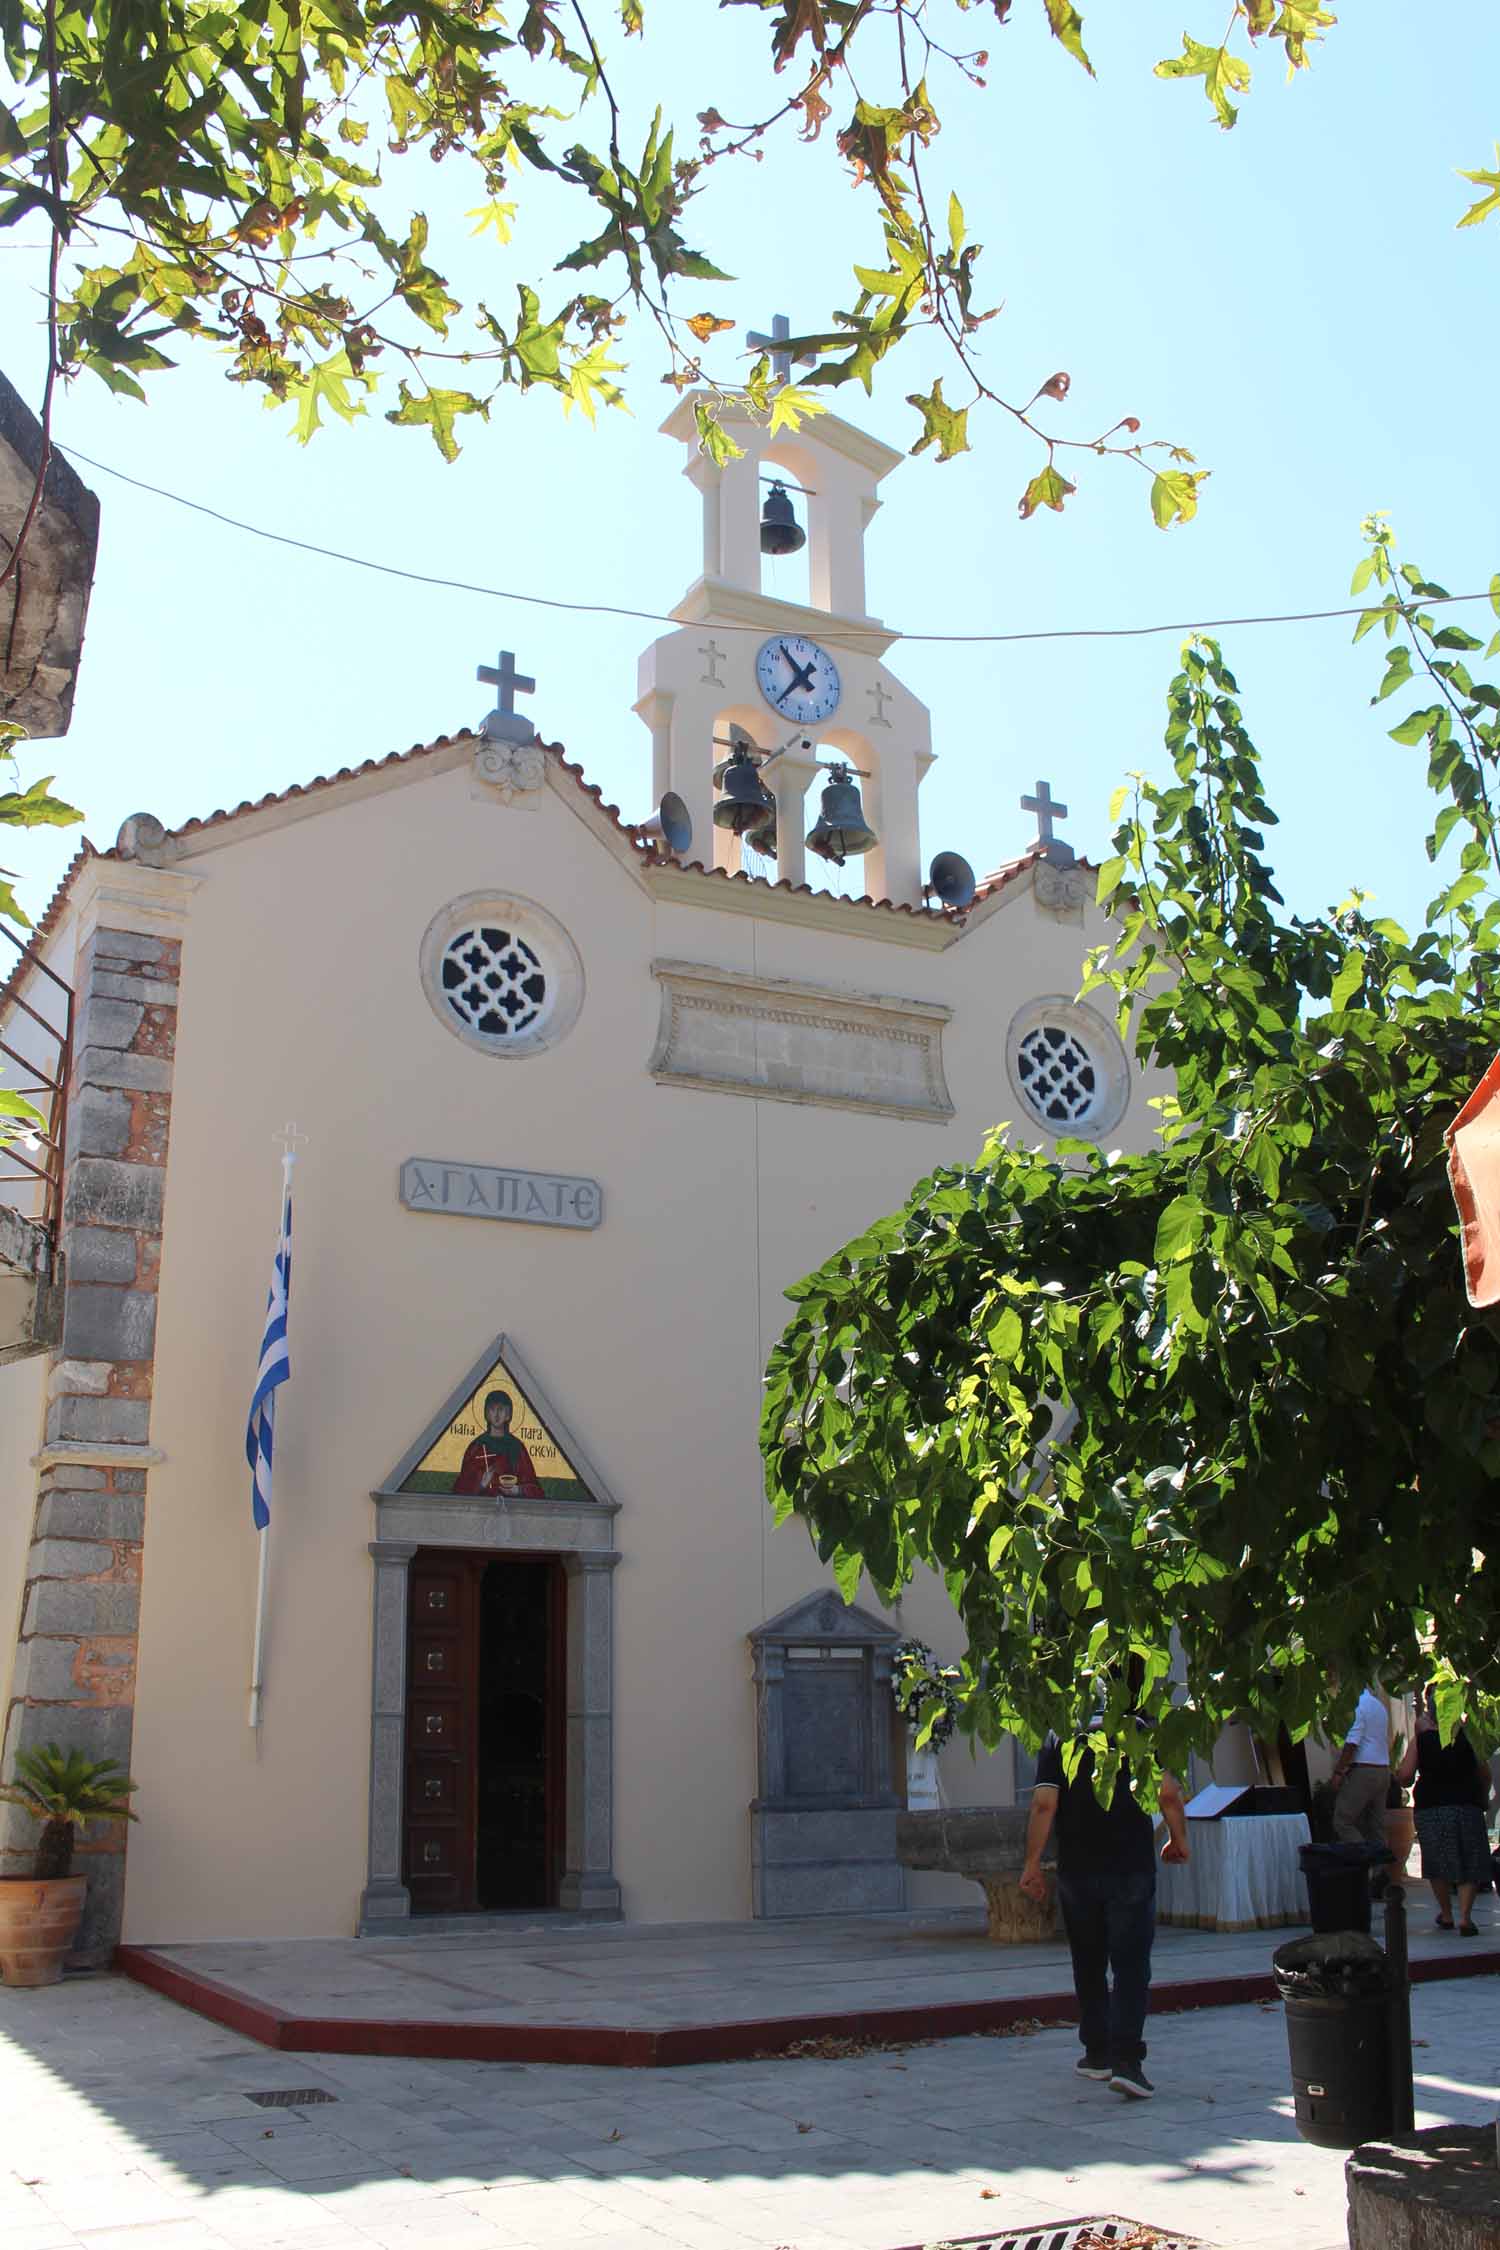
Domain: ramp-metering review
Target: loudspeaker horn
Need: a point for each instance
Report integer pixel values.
(951, 880)
(670, 827)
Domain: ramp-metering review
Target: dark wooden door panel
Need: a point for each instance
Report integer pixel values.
(486, 1732)
(442, 1656)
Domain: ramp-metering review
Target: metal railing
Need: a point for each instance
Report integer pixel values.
(34, 1151)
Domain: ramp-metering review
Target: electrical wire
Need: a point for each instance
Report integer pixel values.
(664, 617)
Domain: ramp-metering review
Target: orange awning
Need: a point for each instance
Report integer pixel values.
(1474, 1171)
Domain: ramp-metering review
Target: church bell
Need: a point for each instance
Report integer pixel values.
(762, 837)
(841, 827)
(780, 532)
(745, 802)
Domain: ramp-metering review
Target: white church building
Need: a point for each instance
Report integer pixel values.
(575, 1102)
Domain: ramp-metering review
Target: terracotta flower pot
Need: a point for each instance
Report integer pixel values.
(38, 1923)
(1400, 1835)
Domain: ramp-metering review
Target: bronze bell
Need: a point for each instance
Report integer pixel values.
(762, 837)
(743, 804)
(780, 532)
(840, 828)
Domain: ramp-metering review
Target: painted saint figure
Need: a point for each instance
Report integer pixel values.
(496, 1462)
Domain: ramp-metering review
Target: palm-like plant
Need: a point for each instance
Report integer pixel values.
(63, 1789)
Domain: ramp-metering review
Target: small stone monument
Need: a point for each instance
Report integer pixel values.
(823, 1824)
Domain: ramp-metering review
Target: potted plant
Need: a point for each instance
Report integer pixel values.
(1400, 1828)
(40, 1912)
(926, 1699)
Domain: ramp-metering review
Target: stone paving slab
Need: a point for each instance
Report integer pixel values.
(649, 1994)
(127, 2122)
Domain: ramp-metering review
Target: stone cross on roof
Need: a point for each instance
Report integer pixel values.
(781, 359)
(1047, 808)
(505, 723)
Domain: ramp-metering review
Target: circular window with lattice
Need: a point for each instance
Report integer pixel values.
(493, 981)
(502, 974)
(1068, 1067)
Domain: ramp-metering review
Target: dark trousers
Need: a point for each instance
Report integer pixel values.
(1110, 1921)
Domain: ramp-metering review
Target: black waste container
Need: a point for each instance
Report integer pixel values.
(1338, 1883)
(1335, 1990)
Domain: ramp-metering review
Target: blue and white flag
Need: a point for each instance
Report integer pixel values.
(275, 1367)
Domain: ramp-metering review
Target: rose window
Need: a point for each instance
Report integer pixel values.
(493, 982)
(1057, 1074)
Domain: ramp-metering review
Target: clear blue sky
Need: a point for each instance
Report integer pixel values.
(1290, 300)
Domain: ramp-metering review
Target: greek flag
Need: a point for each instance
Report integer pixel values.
(275, 1367)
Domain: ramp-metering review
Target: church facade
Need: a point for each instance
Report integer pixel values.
(575, 1101)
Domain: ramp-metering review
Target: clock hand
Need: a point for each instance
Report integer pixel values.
(801, 673)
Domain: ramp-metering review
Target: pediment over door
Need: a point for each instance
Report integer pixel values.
(496, 1461)
(825, 1620)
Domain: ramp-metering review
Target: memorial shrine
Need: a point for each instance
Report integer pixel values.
(578, 1096)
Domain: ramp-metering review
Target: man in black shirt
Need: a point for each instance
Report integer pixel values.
(1106, 1887)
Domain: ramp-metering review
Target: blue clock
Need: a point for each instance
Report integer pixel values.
(798, 679)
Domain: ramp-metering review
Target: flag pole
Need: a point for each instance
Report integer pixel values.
(290, 1137)
(258, 1661)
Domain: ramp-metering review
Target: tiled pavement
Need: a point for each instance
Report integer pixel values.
(124, 2125)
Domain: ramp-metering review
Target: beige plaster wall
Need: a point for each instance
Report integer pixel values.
(22, 1400)
(300, 999)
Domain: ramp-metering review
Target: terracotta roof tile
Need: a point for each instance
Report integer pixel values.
(50, 917)
(639, 842)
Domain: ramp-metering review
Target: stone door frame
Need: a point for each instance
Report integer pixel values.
(582, 1534)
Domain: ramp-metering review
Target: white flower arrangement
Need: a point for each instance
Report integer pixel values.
(925, 1691)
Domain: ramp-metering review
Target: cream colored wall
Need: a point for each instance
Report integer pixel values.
(300, 998)
(22, 1400)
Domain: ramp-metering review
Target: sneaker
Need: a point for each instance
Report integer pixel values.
(1129, 2078)
(1092, 2066)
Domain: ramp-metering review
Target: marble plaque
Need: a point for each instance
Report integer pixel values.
(492, 1191)
(727, 1032)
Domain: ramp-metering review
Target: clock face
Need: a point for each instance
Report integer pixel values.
(798, 679)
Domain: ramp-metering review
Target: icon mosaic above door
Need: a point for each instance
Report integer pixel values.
(496, 1441)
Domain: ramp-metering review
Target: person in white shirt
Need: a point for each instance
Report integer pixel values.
(1362, 1775)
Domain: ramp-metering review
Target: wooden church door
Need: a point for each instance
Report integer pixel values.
(485, 1732)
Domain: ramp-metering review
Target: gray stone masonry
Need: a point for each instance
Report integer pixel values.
(74, 1678)
(99, 1254)
(99, 1421)
(109, 1323)
(91, 1515)
(1433, 2190)
(100, 1123)
(116, 1194)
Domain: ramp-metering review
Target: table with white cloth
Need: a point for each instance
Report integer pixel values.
(1243, 1875)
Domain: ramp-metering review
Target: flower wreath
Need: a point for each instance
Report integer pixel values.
(918, 1682)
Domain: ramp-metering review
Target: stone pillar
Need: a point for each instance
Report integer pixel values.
(74, 1678)
(588, 1883)
(788, 780)
(386, 1897)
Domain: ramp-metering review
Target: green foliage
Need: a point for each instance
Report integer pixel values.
(64, 1790)
(1489, 202)
(224, 178)
(1280, 1431)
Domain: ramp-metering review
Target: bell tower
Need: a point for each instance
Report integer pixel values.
(802, 679)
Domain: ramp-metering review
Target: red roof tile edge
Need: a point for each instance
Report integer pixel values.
(650, 856)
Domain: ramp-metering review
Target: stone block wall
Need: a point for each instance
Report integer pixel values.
(74, 1679)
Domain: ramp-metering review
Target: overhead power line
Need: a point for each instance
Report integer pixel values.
(664, 617)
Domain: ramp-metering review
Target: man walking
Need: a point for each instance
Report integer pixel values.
(1362, 1776)
(1106, 1887)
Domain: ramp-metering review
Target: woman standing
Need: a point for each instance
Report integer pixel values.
(1453, 1787)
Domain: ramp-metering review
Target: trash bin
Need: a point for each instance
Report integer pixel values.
(1338, 1883)
(1336, 1992)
